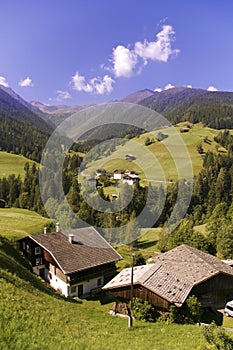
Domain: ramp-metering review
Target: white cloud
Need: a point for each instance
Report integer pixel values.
(102, 86)
(3, 81)
(25, 82)
(169, 86)
(128, 61)
(79, 83)
(212, 88)
(96, 85)
(124, 60)
(160, 49)
(63, 95)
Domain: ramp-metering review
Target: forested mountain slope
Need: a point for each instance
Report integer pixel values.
(22, 131)
(212, 108)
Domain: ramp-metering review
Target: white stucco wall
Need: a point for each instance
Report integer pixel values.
(56, 283)
(87, 286)
(117, 176)
(65, 289)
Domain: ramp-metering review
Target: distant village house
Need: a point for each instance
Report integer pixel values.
(118, 174)
(100, 172)
(130, 157)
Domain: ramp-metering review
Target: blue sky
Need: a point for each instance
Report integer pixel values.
(92, 51)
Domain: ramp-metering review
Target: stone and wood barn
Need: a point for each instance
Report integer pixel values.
(175, 275)
(76, 262)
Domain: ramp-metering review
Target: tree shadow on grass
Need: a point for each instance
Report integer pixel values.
(146, 244)
(103, 297)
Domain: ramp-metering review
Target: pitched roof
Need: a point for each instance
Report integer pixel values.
(124, 277)
(88, 250)
(193, 264)
(119, 171)
(88, 236)
(174, 273)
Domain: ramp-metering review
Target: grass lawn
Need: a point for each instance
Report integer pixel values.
(12, 164)
(145, 245)
(227, 322)
(17, 223)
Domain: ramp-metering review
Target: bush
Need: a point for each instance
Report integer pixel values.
(188, 313)
(216, 338)
(139, 259)
(192, 310)
(142, 310)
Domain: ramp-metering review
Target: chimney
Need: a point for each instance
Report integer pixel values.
(57, 227)
(45, 230)
(71, 238)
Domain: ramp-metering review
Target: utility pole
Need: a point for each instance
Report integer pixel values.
(130, 324)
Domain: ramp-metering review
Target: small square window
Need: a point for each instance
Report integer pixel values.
(73, 289)
(99, 282)
(38, 250)
(39, 261)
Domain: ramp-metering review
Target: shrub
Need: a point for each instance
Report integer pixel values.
(139, 259)
(216, 338)
(142, 310)
(188, 313)
(192, 310)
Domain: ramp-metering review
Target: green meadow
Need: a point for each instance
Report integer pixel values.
(12, 164)
(160, 160)
(17, 223)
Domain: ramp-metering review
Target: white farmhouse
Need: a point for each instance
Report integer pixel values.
(76, 262)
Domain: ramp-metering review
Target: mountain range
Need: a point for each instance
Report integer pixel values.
(213, 108)
(19, 119)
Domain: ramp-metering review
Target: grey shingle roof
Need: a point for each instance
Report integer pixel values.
(174, 273)
(193, 264)
(124, 277)
(72, 257)
(88, 236)
(167, 284)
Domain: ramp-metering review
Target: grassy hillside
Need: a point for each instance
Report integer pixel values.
(17, 223)
(34, 317)
(156, 160)
(12, 164)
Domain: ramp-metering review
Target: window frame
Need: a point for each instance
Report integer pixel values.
(74, 291)
(37, 250)
(38, 261)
